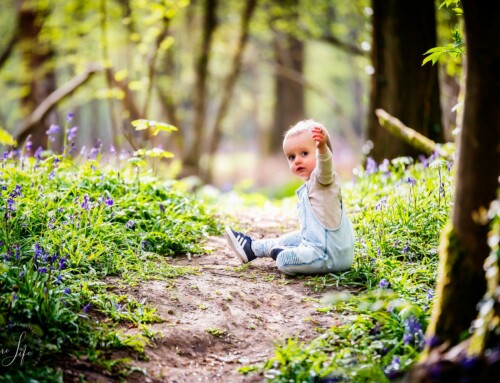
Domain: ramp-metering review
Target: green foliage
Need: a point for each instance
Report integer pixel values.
(454, 49)
(398, 209)
(73, 236)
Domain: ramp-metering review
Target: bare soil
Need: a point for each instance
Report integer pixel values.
(227, 316)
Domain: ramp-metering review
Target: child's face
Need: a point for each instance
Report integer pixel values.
(300, 151)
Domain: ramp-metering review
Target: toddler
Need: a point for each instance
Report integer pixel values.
(325, 242)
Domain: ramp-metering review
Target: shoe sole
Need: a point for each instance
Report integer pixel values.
(235, 246)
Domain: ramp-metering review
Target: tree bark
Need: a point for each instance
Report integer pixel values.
(192, 158)
(229, 86)
(402, 32)
(39, 73)
(478, 170)
(289, 94)
(463, 247)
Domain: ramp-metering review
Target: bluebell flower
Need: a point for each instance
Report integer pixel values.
(28, 145)
(130, 224)
(72, 148)
(407, 247)
(86, 308)
(381, 204)
(53, 129)
(162, 207)
(67, 290)
(42, 270)
(371, 166)
(38, 251)
(384, 284)
(72, 133)
(413, 332)
(412, 181)
(393, 369)
(85, 203)
(62, 263)
(21, 274)
(110, 202)
(70, 116)
(38, 153)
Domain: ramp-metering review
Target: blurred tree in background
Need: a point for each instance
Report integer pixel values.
(232, 75)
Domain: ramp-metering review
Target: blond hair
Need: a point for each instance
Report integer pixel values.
(307, 126)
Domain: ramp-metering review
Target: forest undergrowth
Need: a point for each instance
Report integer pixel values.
(72, 224)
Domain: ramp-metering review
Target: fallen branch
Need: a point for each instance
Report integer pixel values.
(408, 135)
(54, 98)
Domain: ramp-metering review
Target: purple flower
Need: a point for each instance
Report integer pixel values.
(413, 332)
(70, 116)
(381, 204)
(28, 145)
(85, 203)
(21, 274)
(42, 270)
(94, 152)
(393, 369)
(384, 284)
(53, 130)
(129, 224)
(67, 290)
(110, 202)
(86, 308)
(72, 133)
(38, 153)
(371, 166)
(162, 207)
(411, 181)
(62, 263)
(407, 247)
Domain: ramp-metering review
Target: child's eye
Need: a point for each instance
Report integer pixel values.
(305, 153)
(291, 157)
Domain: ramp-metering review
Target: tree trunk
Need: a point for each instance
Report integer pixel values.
(402, 32)
(227, 92)
(463, 247)
(289, 94)
(192, 158)
(39, 73)
(478, 170)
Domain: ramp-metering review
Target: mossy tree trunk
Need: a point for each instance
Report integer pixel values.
(462, 281)
(464, 247)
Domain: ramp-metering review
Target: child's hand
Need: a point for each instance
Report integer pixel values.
(319, 136)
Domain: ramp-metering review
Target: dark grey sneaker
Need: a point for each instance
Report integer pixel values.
(241, 245)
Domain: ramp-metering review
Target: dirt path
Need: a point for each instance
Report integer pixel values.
(228, 316)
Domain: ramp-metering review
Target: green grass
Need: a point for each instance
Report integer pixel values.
(71, 233)
(398, 210)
